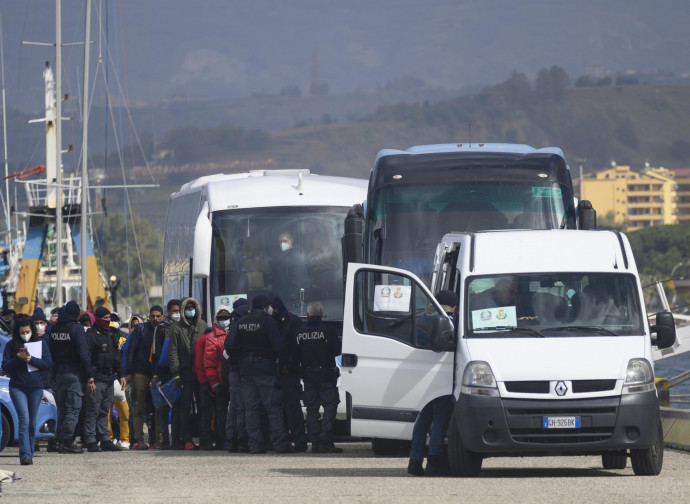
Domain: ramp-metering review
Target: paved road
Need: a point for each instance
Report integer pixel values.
(354, 477)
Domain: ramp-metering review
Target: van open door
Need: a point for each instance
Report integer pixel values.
(398, 351)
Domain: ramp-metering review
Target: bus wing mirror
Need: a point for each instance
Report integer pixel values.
(201, 266)
(665, 329)
(586, 215)
(442, 335)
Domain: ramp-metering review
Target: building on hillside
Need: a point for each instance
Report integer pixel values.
(682, 195)
(639, 199)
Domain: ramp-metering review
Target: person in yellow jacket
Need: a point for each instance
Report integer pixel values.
(120, 399)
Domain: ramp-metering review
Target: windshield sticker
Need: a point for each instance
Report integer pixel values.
(227, 300)
(487, 318)
(392, 298)
(547, 192)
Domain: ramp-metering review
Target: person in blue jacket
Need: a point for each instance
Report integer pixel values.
(26, 381)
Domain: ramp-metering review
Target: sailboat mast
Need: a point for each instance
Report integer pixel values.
(58, 141)
(85, 156)
(4, 133)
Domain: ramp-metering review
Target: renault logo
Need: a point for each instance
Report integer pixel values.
(561, 388)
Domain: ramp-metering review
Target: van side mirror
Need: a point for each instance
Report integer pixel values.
(442, 335)
(665, 329)
(586, 215)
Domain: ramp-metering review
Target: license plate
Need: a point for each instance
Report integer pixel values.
(563, 422)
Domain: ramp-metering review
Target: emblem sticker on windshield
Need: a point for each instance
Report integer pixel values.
(226, 300)
(547, 192)
(487, 318)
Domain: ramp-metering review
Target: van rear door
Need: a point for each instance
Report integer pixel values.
(389, 370)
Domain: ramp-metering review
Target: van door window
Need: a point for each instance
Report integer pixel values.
(393, 306)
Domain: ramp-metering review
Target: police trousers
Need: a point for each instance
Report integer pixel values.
(98, 406)
(316, 395)
(69, 391)
(235, 427)
(260, 387)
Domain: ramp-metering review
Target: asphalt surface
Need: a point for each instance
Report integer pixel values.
(355, 476)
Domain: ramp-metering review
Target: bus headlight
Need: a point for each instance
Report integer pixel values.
(638, 377)
(478, 379)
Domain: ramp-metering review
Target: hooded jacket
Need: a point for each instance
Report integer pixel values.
(139, 350)
(289, 325)
(183, 336)
(212, 361)
(17, 370)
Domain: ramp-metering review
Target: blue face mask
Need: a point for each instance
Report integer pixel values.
(223, 323)
(190, 313)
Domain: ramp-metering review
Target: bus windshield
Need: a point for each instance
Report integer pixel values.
(553, 305)
(406, 222)
(292, 251)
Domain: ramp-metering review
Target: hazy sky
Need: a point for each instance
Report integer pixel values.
(228, 48)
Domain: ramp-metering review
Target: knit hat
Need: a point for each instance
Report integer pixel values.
(260, 302)
(39, 314)
(101, 312)
(223, 308)
(72, 309)
(240, 302)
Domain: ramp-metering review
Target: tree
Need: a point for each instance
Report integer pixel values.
(116, 242)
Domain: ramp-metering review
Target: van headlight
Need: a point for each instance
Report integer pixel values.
(638, 377)
(478, 380)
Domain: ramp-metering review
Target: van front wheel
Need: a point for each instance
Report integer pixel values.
(614, 460)
(462, 462)
(648, 462)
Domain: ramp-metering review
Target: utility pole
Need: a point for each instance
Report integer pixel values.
(58, 141)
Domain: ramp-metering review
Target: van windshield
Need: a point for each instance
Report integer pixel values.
(553, 305)
(292, 251)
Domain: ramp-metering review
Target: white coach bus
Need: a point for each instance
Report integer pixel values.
(244, 234)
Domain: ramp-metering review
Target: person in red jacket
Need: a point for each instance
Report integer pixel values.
(213, 367)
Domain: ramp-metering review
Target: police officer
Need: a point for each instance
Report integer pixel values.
(255, 340)
(73, 372)
(316, 348)
(105, 362)
(288, 377)
(235, 426)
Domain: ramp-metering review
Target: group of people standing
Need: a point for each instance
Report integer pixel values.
(237, 384)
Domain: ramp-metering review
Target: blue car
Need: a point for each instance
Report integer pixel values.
(46, 422)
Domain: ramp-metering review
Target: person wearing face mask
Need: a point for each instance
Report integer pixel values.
(289, 271)
(213, 367)
(105, 361)
(26, 382)
(183, 336)
(160, 360)
(40, 322)
(235, 426)
(140, 372)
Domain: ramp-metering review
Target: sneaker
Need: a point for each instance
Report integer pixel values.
(301, 448)
(134, 446)
(155, 447)
(286, 450)
(93, 448)
(243, 445)
(69, 448)
(141, 447)
(52, 446)
(110, 446)
(189, 446)
(414, 467)
(124, 445)
(204, 447)
(26, 461)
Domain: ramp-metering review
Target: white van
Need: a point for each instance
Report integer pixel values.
(550, 355)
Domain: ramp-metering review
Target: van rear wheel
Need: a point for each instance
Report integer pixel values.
(614, 460)
(462, 462)
(648, 462)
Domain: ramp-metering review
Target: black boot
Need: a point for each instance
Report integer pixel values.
(328, 447)
(52, 446)
(243, 445)
(234, 446)
(435, 466)
(67, 447)
(414, 467)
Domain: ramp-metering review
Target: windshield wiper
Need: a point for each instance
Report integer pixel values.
(597, 329)
(525, 330)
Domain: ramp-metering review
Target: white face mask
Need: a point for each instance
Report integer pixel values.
(223, 323)
(270, 310)
(116, 325)
(25, 336)
(40, 327)
(175, 317)
(285, 246)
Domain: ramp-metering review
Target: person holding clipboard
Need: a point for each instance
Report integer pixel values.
(25, 356)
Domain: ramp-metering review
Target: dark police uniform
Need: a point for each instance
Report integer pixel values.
(106, 366)
(72, 365)
(236, 428)
(316, 348)
(288, 377)
(255, 340)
